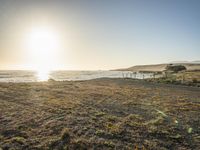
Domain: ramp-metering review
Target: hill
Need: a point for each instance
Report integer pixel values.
(160, 67)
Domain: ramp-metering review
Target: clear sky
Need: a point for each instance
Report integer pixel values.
(101, 34)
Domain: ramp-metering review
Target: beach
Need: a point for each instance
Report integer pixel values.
(99, 114)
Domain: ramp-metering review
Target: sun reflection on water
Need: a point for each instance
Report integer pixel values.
(43, 75)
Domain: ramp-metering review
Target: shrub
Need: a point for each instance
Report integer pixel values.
(194, 80)
(65, 135)
(175, 68)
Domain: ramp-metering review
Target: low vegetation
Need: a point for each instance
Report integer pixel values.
(188, 78)
(99, 114)
(175, 68)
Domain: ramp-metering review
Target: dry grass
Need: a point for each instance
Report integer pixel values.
(188, 78)
(99, 114)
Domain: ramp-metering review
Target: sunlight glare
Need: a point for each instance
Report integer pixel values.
(43, 45)
(42, 75)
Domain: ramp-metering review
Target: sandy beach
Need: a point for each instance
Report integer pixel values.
(99, 114)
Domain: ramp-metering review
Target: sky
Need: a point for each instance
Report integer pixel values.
(100, 34)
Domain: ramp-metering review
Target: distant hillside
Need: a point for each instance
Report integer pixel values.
(186, 62)
(160, 67)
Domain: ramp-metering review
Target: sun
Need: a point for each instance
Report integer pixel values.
(43, 45)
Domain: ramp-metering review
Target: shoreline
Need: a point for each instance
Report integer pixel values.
(145, 81)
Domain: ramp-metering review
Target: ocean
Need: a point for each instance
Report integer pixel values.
(33, 76)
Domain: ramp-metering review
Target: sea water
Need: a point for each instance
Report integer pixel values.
(32, 76)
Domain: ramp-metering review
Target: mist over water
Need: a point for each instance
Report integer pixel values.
(33, 76)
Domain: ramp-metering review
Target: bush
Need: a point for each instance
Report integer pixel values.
(65, 136)
(175, 68)
(194, 80)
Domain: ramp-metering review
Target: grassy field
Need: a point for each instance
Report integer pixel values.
(189, 78)
(99, 114)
